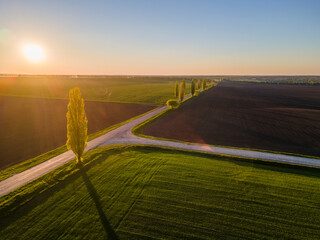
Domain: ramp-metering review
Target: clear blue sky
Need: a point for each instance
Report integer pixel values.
(162, 37)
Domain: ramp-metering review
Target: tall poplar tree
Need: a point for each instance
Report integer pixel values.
(199, 84)
(184, 83)
(76, 124)
(176, 90)
(204, 84)
(181, 91)
(193, 87)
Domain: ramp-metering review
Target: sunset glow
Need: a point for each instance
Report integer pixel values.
(33, 53)
(144, 38)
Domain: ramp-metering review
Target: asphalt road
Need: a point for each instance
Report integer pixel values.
(123, 135)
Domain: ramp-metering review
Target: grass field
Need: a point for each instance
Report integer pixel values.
(144, 90)
(141, 192)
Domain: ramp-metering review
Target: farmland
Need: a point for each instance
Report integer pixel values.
(178, 120)
(272, 117)
(143, 90)
(33, 126)
(33, 108)
(140, 192)
(148, 192)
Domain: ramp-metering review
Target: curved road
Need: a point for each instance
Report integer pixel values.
(123, 135)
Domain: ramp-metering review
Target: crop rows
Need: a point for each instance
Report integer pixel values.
(142, 193)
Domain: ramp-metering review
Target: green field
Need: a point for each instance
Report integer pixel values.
(139, 192)
(144, 90)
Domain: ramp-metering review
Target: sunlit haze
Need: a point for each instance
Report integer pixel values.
(160, 37)
(33, 53)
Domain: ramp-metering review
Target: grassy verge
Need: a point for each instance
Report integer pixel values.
(147, 192)
(6, 173)
(138, 131)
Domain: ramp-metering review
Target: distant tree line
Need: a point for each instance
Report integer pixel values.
(196, 87)
(283, 80)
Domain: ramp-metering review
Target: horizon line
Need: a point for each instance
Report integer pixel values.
(156, 75)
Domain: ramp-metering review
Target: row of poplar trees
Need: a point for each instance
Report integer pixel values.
(180, 88)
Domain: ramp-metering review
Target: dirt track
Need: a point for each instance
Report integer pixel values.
(259, 116)
(32, 126)
(124, 135)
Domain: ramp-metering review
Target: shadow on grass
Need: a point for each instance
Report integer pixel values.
(10, 214)
(95, 197)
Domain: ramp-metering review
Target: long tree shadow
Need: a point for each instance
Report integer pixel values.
(95, 197)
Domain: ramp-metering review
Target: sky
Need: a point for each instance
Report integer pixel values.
(167, 37)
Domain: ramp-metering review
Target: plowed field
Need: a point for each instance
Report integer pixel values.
(32, 126)
(273, 117)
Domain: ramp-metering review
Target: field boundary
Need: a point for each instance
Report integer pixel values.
(51, 180)
(138, 133)
(20, 167)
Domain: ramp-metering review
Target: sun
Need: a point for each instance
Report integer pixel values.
(33, 53)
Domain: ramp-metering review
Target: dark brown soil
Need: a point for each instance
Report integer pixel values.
(32, 126)
(282, 118)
